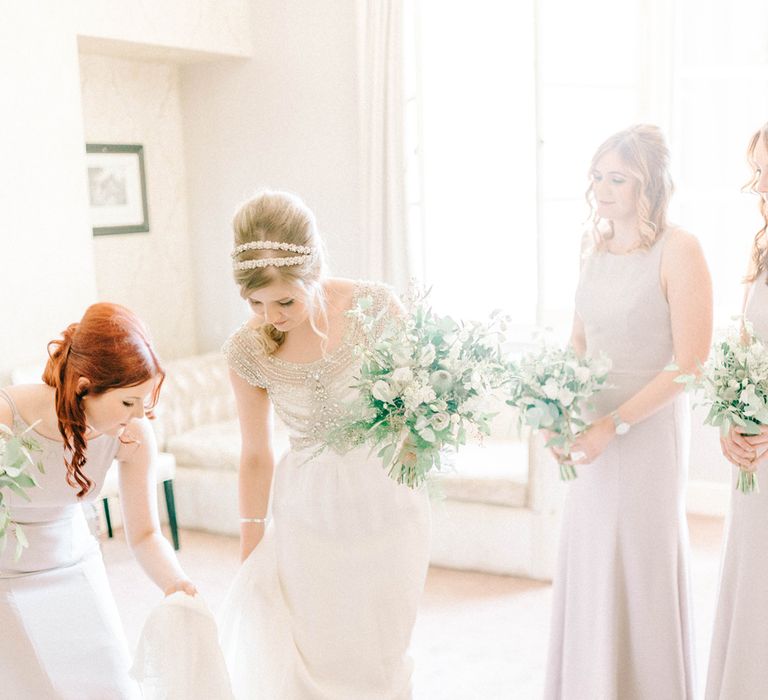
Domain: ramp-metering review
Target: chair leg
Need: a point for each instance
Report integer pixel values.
(171, 505)
(106, 516)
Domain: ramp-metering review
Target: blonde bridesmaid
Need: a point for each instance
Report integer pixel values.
(621, 618)
(738, 661)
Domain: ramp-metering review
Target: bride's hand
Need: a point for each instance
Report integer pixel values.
(589, 445)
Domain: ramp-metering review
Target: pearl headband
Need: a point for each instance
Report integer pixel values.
(305, 253)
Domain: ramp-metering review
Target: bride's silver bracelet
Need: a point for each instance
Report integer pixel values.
(262, 521)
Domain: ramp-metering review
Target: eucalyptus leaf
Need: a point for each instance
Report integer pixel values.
(18, 491)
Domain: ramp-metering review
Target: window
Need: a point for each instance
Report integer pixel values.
(507, 104)
(472, 136)
(720, 97)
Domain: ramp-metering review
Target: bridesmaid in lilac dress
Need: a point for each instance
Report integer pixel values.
(738, 661)
(621, 618)
(60, 631)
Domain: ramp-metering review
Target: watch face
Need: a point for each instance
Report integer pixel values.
(622, 428)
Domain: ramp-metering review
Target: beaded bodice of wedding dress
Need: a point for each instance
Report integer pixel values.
(309, 398)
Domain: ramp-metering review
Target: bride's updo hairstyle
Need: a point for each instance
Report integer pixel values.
(645, 155)
(759, 260)
(111, 348)
(276, 240)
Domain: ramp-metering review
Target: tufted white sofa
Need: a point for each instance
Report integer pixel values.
(496, 511)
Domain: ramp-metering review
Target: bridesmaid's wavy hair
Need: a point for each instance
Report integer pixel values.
(645, 155)
(110, 347)
(759, 261)
(281, 217)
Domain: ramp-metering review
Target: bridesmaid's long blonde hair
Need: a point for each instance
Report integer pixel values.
(759, 261)
(644, 152)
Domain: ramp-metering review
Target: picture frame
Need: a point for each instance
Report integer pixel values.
(117, 188)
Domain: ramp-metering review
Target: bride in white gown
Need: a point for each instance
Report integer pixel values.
(335, 562)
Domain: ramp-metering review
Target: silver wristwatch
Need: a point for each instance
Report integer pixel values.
(620, 427)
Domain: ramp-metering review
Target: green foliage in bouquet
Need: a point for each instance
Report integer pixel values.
(16, 464)
(424, 381)
(733, 384)
(550, 389)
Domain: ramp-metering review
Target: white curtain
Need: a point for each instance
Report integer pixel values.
(384, 216)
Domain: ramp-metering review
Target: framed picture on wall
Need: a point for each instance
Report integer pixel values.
(116, 188)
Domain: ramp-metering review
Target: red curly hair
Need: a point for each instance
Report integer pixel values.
(110, 347)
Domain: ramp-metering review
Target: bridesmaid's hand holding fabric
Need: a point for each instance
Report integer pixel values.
(183, 585)
(590, 444)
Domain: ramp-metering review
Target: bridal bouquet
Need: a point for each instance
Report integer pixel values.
(551, 388)
(424, 380)
(16, 464)
(734, 384)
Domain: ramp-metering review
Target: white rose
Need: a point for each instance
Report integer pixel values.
(550, 389)
(440, 421)
(382, 391)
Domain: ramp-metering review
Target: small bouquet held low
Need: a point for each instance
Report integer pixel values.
(425, 380)
(734, 385)
(16, 467)
(551, 388)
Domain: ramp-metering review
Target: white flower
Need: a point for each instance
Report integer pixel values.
(421, 423)
(583, 374)
(551, 390)
(441, 381)
(476, 381)
(369, 414)
(427, 355)
(402, 375)
(565, 396)
(415, 395)
(440, 421)
(427, 434)
(401, 355)
(383, 391)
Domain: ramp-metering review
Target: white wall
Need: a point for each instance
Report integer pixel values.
(129, 101)
(47, 274)
(286, 119)
(46, 257)
(187, 29)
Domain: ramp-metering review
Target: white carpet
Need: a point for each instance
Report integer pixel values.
(478, 636)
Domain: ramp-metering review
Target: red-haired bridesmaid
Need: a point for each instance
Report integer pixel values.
(60, 633)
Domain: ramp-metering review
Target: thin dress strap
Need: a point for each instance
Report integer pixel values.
(11, 403)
